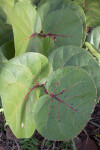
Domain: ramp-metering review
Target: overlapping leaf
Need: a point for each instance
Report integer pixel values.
(7, 6)
(75, 56)
(18, 82)
(55, 24)
(94, 38)
(25, 22)
(59, 23)
(64, 111)
(92, 11)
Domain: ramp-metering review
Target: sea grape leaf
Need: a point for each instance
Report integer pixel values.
(7, 6)
(94, 38)
(64, 111)
(18, 82)
(75, 56)
(51, 5)
(58, 26)
(40, 45)
(91, 10)
(25, 22)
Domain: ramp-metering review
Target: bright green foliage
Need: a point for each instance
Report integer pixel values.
(92, 11)
(75, 56)
(7, 6)
(56, 98)
(58, 24)
(65, 110)
(94, 38)
(17, 86)
(25, 22)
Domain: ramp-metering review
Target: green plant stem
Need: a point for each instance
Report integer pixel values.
(73, 144)
(92, 50)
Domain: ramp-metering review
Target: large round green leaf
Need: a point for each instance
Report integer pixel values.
(65, 26)
(75, 56)
(63, 22)
(18, 82)
(25, 22)
(64, 111)
(7, 6)
(92, 11)
(94, 38)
